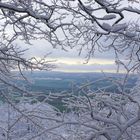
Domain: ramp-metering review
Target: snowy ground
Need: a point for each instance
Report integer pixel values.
(41, 121)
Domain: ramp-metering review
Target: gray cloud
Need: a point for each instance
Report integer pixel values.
(39, 48)
(86, 68)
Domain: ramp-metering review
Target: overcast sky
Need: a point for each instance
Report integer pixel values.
(70, 61)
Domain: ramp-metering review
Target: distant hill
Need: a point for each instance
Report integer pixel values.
(60, 81)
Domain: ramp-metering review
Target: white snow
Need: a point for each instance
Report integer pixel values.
(109, 17)
(130, 34)
(106, 26)
(119, 27)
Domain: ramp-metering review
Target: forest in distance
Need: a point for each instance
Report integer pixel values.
(45, 82)
(42, 83)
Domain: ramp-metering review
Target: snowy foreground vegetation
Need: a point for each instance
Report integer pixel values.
(90, 26)
(90, 116)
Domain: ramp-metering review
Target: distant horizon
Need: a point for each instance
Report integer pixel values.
(82, 71)
(73, 72)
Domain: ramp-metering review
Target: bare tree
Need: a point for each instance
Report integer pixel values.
(70, 23)
(84, 25)
(103, 115)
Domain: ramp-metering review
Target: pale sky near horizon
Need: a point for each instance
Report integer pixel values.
(70, 61)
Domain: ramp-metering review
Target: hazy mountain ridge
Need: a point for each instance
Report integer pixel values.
(59, 81)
